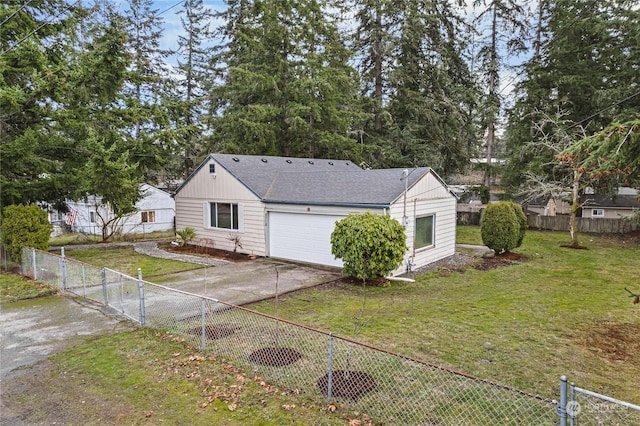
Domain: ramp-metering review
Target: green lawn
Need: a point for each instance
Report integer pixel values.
(563, 311)
(127, 261)
(16, 287)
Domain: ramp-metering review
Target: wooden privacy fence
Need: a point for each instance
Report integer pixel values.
(586, 225)
(561, 223)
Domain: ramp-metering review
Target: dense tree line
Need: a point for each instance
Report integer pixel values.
(89, 103)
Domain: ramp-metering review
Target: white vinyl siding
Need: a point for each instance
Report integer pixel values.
(192, 203)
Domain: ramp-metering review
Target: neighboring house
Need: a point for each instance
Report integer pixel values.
(155, 211)
(287, 207)
(608, 206)
(552, 206)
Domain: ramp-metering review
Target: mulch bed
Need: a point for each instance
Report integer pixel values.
(208, 251)
(504, 259)
(213, 332)
(347, 384)
(274, 357)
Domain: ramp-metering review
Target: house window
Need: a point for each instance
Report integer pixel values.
(424, 231)
(597, 212)
(92, 217)
(212, 168)
(223, 215)
(148, 217)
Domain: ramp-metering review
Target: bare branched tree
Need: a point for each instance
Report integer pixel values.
(568, 179)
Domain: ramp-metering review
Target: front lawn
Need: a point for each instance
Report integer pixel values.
(562, 311)
(127, 261)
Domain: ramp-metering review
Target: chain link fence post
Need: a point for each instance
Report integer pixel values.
(203, 305)
(63, 267)
(330, 372)
(104, 286)
(562, 410)
(141, 291)
(33, 264)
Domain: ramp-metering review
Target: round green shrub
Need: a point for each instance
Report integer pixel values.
(369, 245)
(499, 227)
(24, 226)
(522, 221)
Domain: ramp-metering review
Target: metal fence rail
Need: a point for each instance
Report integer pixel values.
(392, 388)
(586, 408)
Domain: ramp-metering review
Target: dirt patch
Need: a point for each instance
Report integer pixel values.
(613, 341)
(213, 332)
(499, 260)
(376, 282)
(274, 357)
(207, 252)
(347, 384)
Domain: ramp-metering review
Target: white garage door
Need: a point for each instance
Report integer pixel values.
(302, 237)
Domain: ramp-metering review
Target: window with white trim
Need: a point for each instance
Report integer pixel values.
(223, 215)
(597, 212)
(424, 232)
(92, 217)
(148, 217)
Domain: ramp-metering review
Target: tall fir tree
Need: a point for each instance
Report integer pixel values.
(585, 69)
(36, 163)
(288, 89)
(432, 90)
(145, 82)
(505, 33)
(186, 96)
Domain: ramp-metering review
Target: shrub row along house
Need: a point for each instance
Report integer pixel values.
(287, 207)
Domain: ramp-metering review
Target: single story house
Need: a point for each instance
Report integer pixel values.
(287, 207)
(155, 211)
(609, 206)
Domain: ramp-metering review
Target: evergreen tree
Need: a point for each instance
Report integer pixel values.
(288, 89)
(186, 96)
(586, 68)
(506, 33)
(431, 89)
(36, 163)
(145, 81)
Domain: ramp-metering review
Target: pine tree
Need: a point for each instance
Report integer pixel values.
(432, 90)
(186, 96)
(288, 89)
(36, 163)
(506, 30)
(145, 81)
(584, 69)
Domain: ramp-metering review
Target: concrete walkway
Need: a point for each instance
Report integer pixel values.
(150, 248)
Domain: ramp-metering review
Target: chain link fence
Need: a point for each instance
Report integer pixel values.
(391, 388)
(587, 408)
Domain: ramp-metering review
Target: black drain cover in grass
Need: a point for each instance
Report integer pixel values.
(213, 332)
(347, 384)
(274, 357)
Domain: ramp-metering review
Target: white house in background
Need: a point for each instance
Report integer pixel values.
(287, 207)
(155, 211)
(609, 206)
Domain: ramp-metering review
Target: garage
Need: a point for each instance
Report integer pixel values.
(302, 237)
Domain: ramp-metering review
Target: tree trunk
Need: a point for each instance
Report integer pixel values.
(575, 205)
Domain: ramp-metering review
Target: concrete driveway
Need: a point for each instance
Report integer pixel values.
(240, 282)
(246, 282)
(31, 330)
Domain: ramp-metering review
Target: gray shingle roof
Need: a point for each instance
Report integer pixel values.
(315, 181)
(359, 187)
(612, 201)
